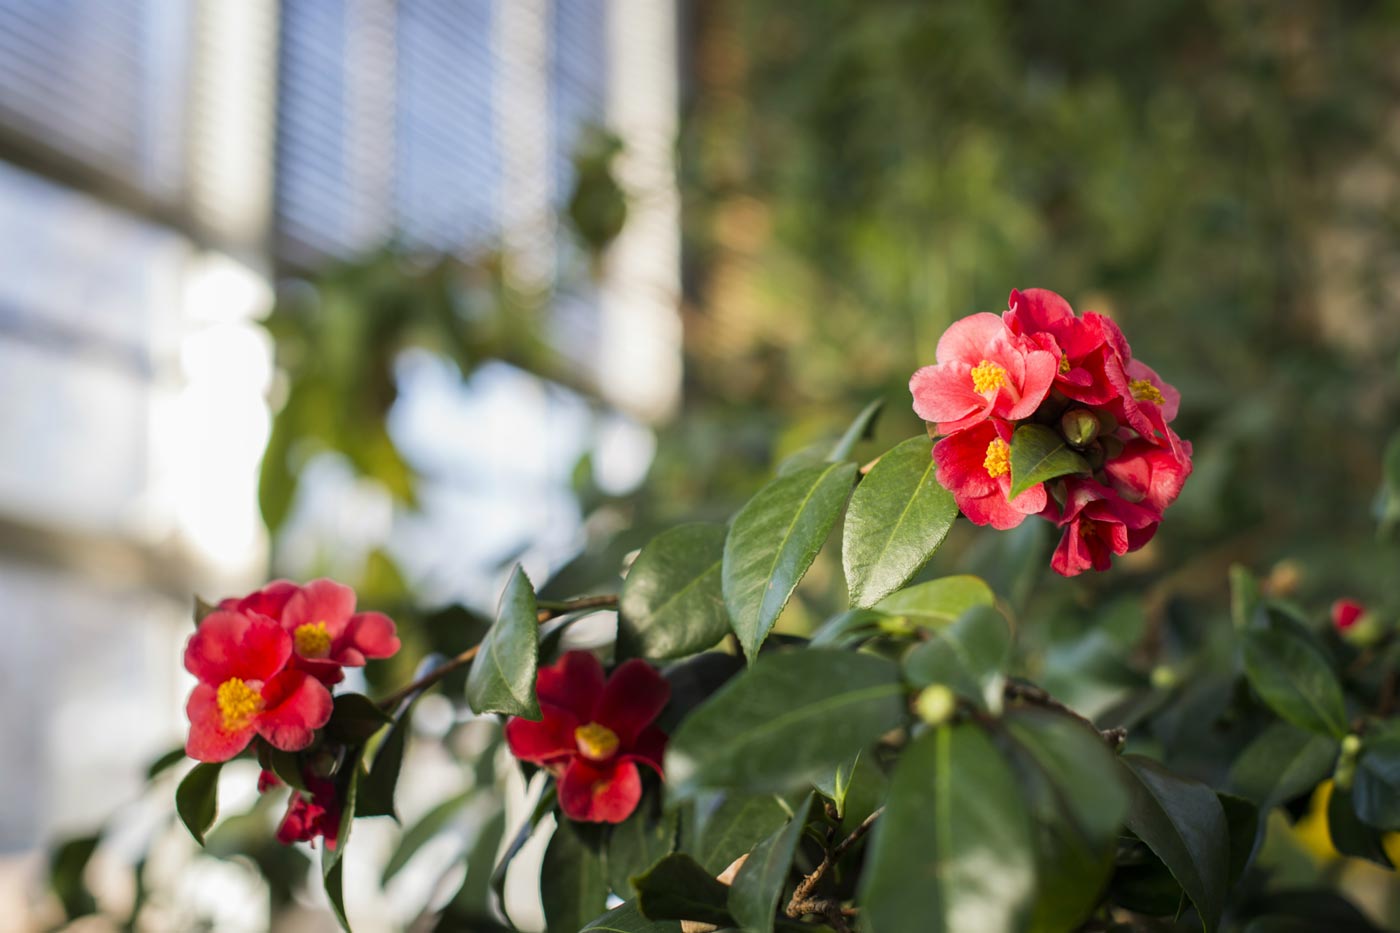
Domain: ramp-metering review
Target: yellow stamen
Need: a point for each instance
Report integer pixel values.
(1145, 391)
(998, 460)
(1064, 364)
(595, 742)
(238, 703)
(312, 640)
(987, 376)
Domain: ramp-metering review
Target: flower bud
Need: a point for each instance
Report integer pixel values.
(1079, 426)
(1345, 772)
(936, 704)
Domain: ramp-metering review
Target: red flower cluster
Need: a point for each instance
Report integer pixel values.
(1039, 362)
(315, 812)
(593, 732)
(264, 663)
(1346, 613)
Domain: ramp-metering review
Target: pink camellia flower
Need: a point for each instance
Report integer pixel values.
(593, 733)
(1346, 613)
(1149, 474)
(1149, 405)
(1098, 525)
(1092, 350)
(983, 370)
(975, 465)
(307, 816)
(245, 689)
(327, 633)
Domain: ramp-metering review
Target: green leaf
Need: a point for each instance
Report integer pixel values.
(1282, 762)
(1244, 597)
(165, 762)
(287, 767)
(1077, 800)
(377, 787)
(753, 898)
(333, 881)
(772, 542)
(67, 865)
(1376, 788)
(355, 719)
(837, 784)
(678, 888)
(1242, 817)
(573, 884)
(202, 609)
(952, 850)
(626, 918)
(969, 656)
(197, 799)
(938, 602)
(1294, 680)
(1349, 835)
(639, 842)
(672, 601)
(862, 428)
(1184, 825)
(502, 678)
(347, 780)
(784, 721)
(1038, 453)
(728, 825)
(898, 516)
(471, 908)
(427, 828)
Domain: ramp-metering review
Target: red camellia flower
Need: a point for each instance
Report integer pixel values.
(1098, 525)
(593, 733)
(327, 633)
(307, 816)
(975, 465)
(245, 689)
(1149, 474)
(1091, 350)
(983, 369)
(1346, 612)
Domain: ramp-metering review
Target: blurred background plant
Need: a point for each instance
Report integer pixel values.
(610, 264)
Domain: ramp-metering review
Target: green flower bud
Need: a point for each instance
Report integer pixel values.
(936, 704)
(1079, 426)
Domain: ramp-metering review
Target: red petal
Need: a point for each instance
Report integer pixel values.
(545, 741)
(574, 682)
(207, 740)
(320, 601)
(649, 749)
(268, 601)
(943, 394)
(325, 670)
(235, 644)
(600, 795)
(634, 696)
(296, 705)
(372, 635)
(967, 340)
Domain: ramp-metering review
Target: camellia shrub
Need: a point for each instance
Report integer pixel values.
(901, 770)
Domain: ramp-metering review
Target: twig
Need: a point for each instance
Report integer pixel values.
(1035, 696)
(547, 611)
(803, 903)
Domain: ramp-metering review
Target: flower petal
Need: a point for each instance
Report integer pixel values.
(649, 749)
(574, 682)
(320, 601)
(372, 635)
(606, 794)
(548, 740)
(295, 706)
(236, 644)
(966, 340)
(943, 394)
(208, 740)
(634, 696)
(268, 601)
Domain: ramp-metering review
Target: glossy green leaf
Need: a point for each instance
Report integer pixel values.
(730, 824)
(1038, 454)
(860, 429)
(1350, 836)
(197, 799)
(1242, 818)
(502, 678)
(787, 719)
(378, 785)
(626, 918)
(772, 543)
(67, 866)
(952, 851)
(672, 601)
(639, 842)
(573, 882)
(1281, 763)
(1183, 823)
(938, 602)
(332, 869)
(836, 784)
(753, 898)
(286, 765)
(1376, 788)
(898, 516)
(356, 718)
(969, 657)
(165, 762)
(1295, 680)
(427, 828)
(678, 888)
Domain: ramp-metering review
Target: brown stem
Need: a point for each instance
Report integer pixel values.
(1035, 696)
(549, 611)
(803, 903)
